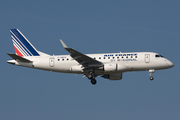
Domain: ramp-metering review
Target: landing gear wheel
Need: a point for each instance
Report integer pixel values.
(93, 81)
(151, 78)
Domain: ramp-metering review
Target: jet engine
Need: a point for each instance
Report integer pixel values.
(113, 76)
(110, 67)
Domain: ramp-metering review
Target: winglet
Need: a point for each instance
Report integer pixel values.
(63, 44)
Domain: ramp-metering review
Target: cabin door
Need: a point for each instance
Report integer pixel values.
(51, 62)
(147, 58)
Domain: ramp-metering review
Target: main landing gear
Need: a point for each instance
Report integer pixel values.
(92, 77)
(93, 81)
(150, 73)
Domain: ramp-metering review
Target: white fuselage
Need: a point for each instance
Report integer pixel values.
(135, 61)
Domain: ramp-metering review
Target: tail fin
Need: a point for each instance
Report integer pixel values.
(21, 44)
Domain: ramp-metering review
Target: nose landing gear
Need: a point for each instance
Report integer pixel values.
(150, 73)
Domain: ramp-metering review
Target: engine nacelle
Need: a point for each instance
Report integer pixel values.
(110, 67)
(78, 68)
(113, 76)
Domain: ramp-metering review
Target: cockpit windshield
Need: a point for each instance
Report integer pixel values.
(158, 56)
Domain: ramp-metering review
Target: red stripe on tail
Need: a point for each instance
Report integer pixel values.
(18, 52)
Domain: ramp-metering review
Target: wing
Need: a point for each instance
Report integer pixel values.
(82, 59)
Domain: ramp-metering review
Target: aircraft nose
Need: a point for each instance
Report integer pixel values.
(170, 64)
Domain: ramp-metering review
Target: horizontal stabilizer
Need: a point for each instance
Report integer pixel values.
(18, 58)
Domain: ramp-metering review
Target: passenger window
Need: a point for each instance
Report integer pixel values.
(126, 56)
(62, 59)
(58, 59)
(67, 59)
(94, 58)
(113, 57)
(108, 57)
(117, 57)
(99, 57)
(122, 57)
(136, 57)
(131, 56)
(104, 57)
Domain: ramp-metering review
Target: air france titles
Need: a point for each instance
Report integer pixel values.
(127, 57)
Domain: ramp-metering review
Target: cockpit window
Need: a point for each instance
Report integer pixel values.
(158, 56)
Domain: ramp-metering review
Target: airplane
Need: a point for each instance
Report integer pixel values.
(107, 65)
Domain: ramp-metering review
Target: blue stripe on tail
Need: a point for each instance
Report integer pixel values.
(23, 43)
(19, 44)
